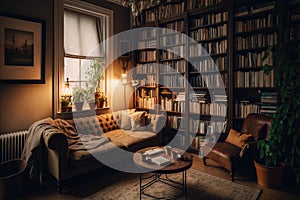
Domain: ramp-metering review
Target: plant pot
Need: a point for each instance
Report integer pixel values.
(92, 105)
(270, 177)
(78, 106)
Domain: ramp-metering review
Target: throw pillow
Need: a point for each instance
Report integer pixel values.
(137, 121)
(125, 121)
(238, 139)
(157, 123)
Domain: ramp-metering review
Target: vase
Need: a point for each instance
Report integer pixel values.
(79, 106)
(270, 177)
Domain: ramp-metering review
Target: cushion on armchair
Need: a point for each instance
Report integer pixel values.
(238, 139)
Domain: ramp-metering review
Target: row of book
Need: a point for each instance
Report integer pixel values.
(209, 33)
(148, 56)
(253, 60)
(169, 104)
(175, 122)
(256, 41)
(208, 80)
(147, 44)
(244, 107)
(210, 19)
(150, 80)
(269, 102)
(174, 81)
(169, 10)
(267, 21)
(146, 102)
(218, 47)
(173, 52)
(174, 26)
(173, 66)
(173, 39)
(148, 34)
(209, 65)
(149, 15)
(218, 109)
(254, 79)
(148, 68)
(243, 11)
(192, 4)
(204, 127)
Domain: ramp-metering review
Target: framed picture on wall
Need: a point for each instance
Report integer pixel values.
(22, 49)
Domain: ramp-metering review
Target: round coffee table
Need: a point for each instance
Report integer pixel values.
(175, 166)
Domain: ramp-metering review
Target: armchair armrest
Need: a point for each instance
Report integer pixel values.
(250, 148)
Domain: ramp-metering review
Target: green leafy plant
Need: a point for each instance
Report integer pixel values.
(94, 74)
(283, 142)
(78, 94)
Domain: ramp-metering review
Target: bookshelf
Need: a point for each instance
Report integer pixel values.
(256, 29)
(235, 34)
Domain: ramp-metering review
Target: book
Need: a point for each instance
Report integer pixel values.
(160, 160)
(154, 151)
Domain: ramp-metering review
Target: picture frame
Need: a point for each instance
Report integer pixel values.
(22, 49)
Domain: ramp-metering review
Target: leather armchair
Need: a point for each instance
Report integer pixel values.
(229, 156)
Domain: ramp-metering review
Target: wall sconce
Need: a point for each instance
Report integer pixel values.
(124, 81)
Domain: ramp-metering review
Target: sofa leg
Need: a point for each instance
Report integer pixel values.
(59, 187)
(232, 176)
(204, 161)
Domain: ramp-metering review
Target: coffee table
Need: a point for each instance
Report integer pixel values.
(176, 166)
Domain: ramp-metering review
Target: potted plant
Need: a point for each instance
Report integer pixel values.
(65, 104)
(93, 75)
(90, 97)
(100, 99)
(78, 97)
(282, 145)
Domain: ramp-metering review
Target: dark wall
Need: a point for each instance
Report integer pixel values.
(23, 104)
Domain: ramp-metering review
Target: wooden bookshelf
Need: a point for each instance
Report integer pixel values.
(236, 35)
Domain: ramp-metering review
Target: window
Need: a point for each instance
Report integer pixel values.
(82, 35)
(79, 29)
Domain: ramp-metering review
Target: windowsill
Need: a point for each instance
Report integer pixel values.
(82, 113)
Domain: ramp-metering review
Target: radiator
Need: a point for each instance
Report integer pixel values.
(12, 145)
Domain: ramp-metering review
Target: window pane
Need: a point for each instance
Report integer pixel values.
(72, 69)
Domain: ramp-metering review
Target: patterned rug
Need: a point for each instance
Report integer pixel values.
(200, 185)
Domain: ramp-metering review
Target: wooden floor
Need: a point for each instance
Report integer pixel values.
(83, 186)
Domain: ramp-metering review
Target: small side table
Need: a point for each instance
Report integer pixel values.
(176, 166)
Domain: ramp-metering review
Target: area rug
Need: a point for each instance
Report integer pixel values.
(200, 185)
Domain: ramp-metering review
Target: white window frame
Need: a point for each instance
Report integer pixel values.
(58, 74)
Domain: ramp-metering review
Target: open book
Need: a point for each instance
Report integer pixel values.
(160, 160)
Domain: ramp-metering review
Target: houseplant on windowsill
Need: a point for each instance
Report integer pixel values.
(282, 146)
(100, 99)
(78, 97)
(93, 76)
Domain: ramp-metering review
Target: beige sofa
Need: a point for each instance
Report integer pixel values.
(67, 156)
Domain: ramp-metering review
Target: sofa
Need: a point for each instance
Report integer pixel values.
(67, 155)
(239, 149)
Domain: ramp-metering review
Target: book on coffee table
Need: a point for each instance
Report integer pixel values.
(160, 160)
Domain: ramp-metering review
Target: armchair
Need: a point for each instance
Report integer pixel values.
(229, 156)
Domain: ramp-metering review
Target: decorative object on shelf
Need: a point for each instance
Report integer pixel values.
(78, 97)
(66, 103)
(23, 50)
(282, 144)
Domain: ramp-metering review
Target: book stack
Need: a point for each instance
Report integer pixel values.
(268, 103)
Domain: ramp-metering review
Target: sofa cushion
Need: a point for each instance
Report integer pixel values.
(156, 123)
(88, 125)
(107, 122)
(238, 139)
(137, 120)
(118, 116)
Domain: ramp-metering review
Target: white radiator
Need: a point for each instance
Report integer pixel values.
(12, 145)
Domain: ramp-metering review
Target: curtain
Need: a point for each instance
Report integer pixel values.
(83, 34)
